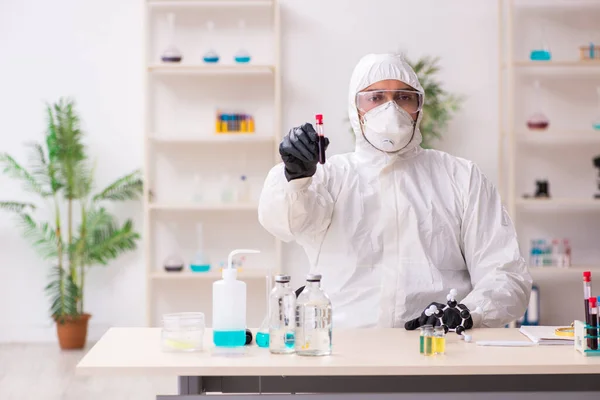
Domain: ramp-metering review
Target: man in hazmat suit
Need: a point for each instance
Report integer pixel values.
(393, 227)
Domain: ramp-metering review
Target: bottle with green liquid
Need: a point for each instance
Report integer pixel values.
(426, 340)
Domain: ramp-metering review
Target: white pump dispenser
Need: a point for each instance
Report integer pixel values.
(229, 306)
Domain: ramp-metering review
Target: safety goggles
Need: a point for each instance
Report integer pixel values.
(409, 100)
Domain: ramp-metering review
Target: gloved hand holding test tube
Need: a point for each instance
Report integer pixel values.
(302, 149)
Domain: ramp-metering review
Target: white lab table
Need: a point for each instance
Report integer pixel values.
(364, 361)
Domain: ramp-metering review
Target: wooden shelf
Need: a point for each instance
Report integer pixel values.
(575, 269)
(557, 64)
(557, 5)
(558, 137)
(247, 273)
(559, 203)
(215, 139)
(168, 4)
(204, 207)
(208, 69)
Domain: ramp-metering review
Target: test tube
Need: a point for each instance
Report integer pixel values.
(321, 134)
(587, 293)
(593, 322)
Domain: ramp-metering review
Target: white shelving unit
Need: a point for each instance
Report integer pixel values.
(563, 153)
(180, 144)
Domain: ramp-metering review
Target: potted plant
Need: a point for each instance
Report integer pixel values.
(439, 105)
(82, 232)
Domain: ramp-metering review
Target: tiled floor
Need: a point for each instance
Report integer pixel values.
(43, 372)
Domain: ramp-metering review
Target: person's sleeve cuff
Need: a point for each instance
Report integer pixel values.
(297, 185)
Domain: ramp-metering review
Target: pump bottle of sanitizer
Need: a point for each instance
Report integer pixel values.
(229, 306)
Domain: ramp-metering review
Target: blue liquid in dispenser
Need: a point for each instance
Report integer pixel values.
(229, 338)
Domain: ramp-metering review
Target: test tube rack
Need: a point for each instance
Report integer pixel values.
(581, 336)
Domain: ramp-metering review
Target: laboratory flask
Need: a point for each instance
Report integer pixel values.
(313, 320)
(282, 324)
(171, 54)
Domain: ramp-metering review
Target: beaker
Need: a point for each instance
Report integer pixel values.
(262, 336)
(211, 56)
(242, 55)
(171, 53)
(538, 120)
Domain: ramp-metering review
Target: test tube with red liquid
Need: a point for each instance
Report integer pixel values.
(587, 294)
(321, 135)
(593, 342)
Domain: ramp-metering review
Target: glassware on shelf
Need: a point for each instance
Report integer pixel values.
(200, 262)
(211, 56)
(171, 54)
(538, 120)
(174, 262)
(242, 56)
(541, 53)
(596, 123)
(227, 190)
(244, 190)
(197, 194)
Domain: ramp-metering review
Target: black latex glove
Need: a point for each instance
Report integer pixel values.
(299, 151)
(452, 318)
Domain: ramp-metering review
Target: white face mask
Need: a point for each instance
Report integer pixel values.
(388, 127)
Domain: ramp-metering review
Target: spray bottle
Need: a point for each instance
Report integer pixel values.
(229, 306)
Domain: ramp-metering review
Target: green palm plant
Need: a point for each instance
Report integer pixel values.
(439, 105)
(82, 233)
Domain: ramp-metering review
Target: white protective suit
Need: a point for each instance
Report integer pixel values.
(393, 232)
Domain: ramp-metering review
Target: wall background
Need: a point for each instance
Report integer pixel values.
(93, 51)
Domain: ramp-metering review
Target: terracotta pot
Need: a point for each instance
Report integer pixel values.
(72, 331)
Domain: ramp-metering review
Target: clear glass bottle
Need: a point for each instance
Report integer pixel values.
(282, 319)
(439, 340)
(427, 340)
(313, 320)
(171, 53)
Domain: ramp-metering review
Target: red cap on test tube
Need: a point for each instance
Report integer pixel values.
(319, 118)
(593, 301)
(587, 276)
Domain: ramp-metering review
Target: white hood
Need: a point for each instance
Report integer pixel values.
(373, 68)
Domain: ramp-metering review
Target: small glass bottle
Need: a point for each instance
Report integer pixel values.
(282, 319)
(313, 320)
(427, 340)
(227, 190)
(439, 340)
